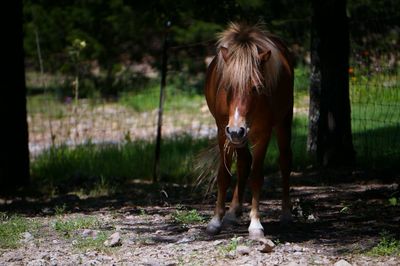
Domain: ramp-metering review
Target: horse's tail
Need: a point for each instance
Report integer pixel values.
(206, 166)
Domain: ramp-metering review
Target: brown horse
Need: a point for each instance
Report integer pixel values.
(249, 91)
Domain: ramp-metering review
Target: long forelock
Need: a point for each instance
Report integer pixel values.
(243, 69)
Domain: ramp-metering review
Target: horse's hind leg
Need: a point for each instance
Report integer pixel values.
(283, 133)
(223, 181)
(243, 169)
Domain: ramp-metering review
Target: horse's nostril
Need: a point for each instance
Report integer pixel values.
(227, 130)
(242, 132)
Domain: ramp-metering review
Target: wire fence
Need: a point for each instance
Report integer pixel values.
(56, 121)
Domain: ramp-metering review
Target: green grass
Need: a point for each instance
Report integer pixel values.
(90, 243)
(376, 119)
(99, 168)
(186, 217)
(231, 246)
(175, 100)
(103, 169)
(387, 246)
(68, 226)
(11, 228)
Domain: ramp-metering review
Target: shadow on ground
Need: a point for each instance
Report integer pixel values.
(344, 210)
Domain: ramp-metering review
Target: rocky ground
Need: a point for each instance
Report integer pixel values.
(334, 224)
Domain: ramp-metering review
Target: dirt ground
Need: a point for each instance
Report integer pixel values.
(338, 219)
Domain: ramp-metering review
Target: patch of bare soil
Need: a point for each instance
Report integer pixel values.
(334, 224)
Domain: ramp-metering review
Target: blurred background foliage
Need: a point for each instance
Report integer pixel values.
(113, 49)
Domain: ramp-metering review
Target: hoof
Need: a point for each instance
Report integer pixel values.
(286, 218)
(256, 234)
(214, 227)
(230, 219)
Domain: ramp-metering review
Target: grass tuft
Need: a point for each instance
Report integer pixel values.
(387, 246)
(186, 217)
(11, 228)
(67, 226)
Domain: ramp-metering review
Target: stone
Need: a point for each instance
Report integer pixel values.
(113, 241)
(342, 262)
(26, 237)
(89, 233)
(217, 242)
(243, 250)
(267, 245)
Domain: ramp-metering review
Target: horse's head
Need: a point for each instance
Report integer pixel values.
(242, 95)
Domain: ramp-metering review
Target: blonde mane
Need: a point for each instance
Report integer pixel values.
(243, 70)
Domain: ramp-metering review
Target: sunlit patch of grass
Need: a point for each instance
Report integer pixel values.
(92, 243)
(11, 228)
(229, 247)
(69, 225)
(100, 170)
(175, 100)
(387, 246)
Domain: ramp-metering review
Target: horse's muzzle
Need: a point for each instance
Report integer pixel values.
(236, 135)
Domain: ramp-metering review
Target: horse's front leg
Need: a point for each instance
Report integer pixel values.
(223, 182)
(243, 170)
(256, 230)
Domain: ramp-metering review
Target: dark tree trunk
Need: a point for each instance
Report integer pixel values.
(330, 125)
(14, 153)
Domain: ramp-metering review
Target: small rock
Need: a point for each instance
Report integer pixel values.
(186, 240)
(89, 233)
(231, 254)
(13, 257)
(267, 245)
(47, 211)
(113, 241)
(297, 248)
(26, 237)
(194, 231)
(243, 250)
(239, 239)
(312, 218)
(342, 262)
(217, 242)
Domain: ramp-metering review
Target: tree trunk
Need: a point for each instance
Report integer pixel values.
(330, 121)
(14, 153)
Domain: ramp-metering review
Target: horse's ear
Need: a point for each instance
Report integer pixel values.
(264, 56)
(225, 53)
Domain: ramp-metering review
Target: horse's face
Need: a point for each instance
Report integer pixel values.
(241, 107)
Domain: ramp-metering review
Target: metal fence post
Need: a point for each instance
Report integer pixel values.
(156, 170)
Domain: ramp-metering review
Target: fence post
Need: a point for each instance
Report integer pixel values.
(156, 170)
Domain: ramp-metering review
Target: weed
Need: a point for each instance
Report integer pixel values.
(67, 226)
(393, 201)
(60, 210)
(231, 246)
(92, 243)
(186, 217)
(387, 246)
(11, 228)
